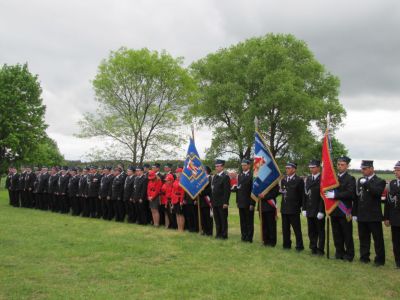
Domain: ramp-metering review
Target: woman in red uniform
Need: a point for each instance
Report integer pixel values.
(153, 196)
(166, 194)
(177, 200)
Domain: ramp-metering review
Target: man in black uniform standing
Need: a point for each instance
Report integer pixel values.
(52, 191)
(21, 188)
(128, 195)
(105, 194)
(8, 184)
(63, 180)
(292, 189)
(205, 206)
(342, 226)
(368, 213)
(73, 192)
(314, 208)
(43, 189)
(392, 213)
(13, 186)
(244, 201)
(139, 196)
(93, 185)
(30, 178)
(82, 189)
(117, 195)
(221, 192)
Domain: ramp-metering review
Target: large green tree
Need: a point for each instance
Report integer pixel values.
(140, 94)
(45, 153)
(276, 78)
(22, 123)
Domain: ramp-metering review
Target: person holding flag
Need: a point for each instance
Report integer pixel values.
(193, 180)
(340, 212)
(265, 189)
(205, 207)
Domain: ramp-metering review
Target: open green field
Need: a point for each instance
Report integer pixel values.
(51, 256)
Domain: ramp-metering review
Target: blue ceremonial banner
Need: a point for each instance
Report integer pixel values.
(266, 173)
(194, 177)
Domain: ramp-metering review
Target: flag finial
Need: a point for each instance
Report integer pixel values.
(256, 122)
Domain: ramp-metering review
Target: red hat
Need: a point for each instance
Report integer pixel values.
(179, 170)
(170, 177)
(152, 174)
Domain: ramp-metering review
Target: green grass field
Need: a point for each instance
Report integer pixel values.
(51, 256)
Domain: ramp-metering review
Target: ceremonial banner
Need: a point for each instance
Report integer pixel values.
(329, 180)
(265, 170)
(194, 178)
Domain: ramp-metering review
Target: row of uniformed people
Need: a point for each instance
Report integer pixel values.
(359, 201)
(143, 195)
(99, 195)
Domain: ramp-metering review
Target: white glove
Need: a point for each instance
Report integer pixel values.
(304, 213)
(320, 216)
(354, 218)
(363, 180)
(330, 194)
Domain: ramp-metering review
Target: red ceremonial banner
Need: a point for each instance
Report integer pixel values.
(329, 180)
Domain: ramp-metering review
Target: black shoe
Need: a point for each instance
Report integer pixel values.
(314, 251)
(348, 258)
(398, 266)
(320, 252)
(379, 264)
(299, 249)
(365, 260)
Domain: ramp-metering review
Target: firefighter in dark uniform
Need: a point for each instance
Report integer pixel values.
(43, 189)
(368, 213)
(314, 209)
(392, 213)
(292, 189)
(35, 189)
(73, 192)
(244, 201)
(139, 196)
(52, 191)
(63, 180)
(21, 188)
(30, 178)
(8, 184)
(83, 191)
(105, 194)
(98, 203)
(13, 187)
(93, 185)
(168, 170)
(342, 226)
(206, 207)
(117, 193)
(128, 195)
(221, 192)
(269, 215)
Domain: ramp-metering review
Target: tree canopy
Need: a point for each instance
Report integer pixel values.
(275, 78)
(22, 125)
(141, 94)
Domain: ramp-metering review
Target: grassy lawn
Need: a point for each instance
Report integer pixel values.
(51, 256)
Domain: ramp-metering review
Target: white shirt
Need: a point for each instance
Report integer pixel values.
(288, 178)
(314, 177)
(220, 174)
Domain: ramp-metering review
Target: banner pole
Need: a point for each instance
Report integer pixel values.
(261, 221)
(199, 215)
(327, 236)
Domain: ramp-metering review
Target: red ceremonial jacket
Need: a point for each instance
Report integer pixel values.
(178, 193)
(153, 188)
(166, 193)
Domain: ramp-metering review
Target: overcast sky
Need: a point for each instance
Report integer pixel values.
(64, 41)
